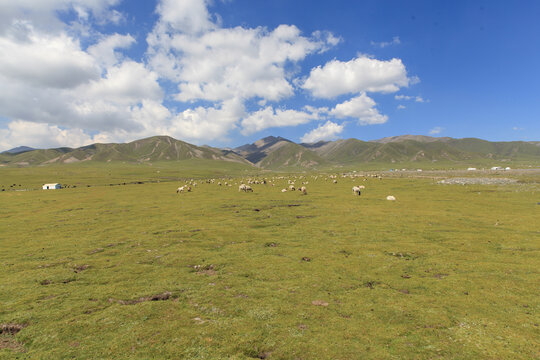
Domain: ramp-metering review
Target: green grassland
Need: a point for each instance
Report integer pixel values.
(446, 271)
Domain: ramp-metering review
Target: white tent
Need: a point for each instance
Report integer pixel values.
(52, 186)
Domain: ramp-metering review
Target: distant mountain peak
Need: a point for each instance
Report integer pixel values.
(419, 138)
(276, 152)
(19, 149)
(269, 141)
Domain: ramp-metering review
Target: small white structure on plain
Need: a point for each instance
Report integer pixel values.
(471, 169)
(497, 168)
(391, 198)
(507, 168)
(52, 186)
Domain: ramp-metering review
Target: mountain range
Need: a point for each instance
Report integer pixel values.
(277, 153)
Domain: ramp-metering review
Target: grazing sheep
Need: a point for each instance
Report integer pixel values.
(292, 188)
(303, 190)
(356, 190)
(283, 190)
(335, 181)
(245, 188)
(361, 187)
(188, 189)
(391, 198)
(181, 189)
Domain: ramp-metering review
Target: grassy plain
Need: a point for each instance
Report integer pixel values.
(446, 271)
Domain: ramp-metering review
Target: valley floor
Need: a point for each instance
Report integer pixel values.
(139, 271)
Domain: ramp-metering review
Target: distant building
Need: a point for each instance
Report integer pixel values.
(471, 169)
(497, 168)
(507, 168)
(52, 186)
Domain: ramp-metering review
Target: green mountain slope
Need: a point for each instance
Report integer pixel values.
(284, 155)
(157, 148)
(277, 153)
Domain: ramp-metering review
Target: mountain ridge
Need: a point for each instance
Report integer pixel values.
(278, 153)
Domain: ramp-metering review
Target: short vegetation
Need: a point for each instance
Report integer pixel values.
(118, 265)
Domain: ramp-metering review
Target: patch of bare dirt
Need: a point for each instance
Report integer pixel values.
(264, 355)
(10, 329)
(205, 269)
(8, 342)
(440, 276)
(371, 284)
(158, 297)
(79, 268)
(319, 303)
(404, 256)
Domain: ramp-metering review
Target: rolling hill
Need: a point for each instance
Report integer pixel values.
(277, 153)
(157, 148)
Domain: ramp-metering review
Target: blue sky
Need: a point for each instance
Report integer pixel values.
(225, 73)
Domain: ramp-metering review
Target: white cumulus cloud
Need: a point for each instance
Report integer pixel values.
(41, 136)
(62, 80)
(362, 74)
(436, 130)
(327, 131)
(395, 41)
(361, 108)
(270, 117)
(418, 99)
(227, 63)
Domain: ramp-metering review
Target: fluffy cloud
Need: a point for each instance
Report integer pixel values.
(62, 80)
(327, 131)
(43, 14)
(188, 16)
(270, 117)
(104, 50)
(436, 130)
(231, 63)
(361, 108)
(395, 41)
(418, 99)
(46, 61)
(226, 66)
(362, 74)
(207, 123)
(41, 135)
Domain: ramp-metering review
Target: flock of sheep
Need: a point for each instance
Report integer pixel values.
(245, 185)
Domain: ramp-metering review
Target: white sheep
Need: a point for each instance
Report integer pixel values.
(245, 188)
(180, 189)
(283, 190)
(292, 188)
(356, 190)
(391, 198)
(303, 190)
